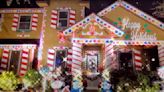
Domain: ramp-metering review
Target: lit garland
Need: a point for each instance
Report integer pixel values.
(116, 42)
(26, 10)
(41, 38)
(97, 19)
(133, 10)
(18, 46)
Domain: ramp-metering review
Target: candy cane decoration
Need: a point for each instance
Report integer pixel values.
(109, 54)
(24, 62)
(161, 55)
(51, 58)
(137, 59)
(15, 22)
(76, 58)
(69, 58)
(5, 59)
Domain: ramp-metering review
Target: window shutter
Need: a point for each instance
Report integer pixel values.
(72, 17)
(137, 59)
(24, 62)
(54, 18)
(15, 22)
(5, 59)
(51, 58)
(161, 55)
(34, 22)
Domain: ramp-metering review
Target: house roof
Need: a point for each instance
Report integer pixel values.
(98, 20)
(133, 10)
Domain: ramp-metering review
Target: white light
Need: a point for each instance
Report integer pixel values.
(153, 59)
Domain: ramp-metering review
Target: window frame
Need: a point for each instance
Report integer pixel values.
(63, 10)
(24, 30)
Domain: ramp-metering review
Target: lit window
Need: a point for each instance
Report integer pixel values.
(63, 19)
(60, 55)
(24, 23)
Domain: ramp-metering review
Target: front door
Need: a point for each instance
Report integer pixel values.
(93, 58)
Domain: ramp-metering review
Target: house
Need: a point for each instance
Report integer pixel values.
(118, 37)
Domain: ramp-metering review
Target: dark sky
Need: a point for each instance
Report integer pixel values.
(96, 5)
(144, 5)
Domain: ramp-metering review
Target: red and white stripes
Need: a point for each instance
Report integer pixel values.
(76, 58)
(54, 18)
(24, 62)
(15, 22)
(34, 22)
(51, 58)
(69, 58)
(161, 55)
(5, 59)
(108, 54)
(72, 17)
(137, 59)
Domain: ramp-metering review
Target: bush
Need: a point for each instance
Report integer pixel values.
(8, 81)
(31, 79)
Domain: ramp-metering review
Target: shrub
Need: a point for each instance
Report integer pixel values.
(8, 81)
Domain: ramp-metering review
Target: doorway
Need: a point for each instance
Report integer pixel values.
(93, 57)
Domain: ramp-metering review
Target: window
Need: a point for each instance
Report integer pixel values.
(125, 61)
(63, 19)
(24, 23)
(60, 55)
(14, 61)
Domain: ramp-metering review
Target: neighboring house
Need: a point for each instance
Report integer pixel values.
(118, 37)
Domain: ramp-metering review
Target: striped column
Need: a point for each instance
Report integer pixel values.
(69, 58)
(137, 59)
(51, 58)
(15, 22)
(5, 59)
(24, 62)
(108, 55)
(54, 18)
(34, 22)
(76, 58)
(161, 55)
(72, 18)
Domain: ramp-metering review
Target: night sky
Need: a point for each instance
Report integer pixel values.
(95, 5)
(144, 5)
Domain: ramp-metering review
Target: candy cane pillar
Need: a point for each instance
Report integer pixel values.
(108, 55)
(161, 55)
(76, 58)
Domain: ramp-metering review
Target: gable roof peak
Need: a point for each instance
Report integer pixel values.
(134, 10)
(94, 19)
